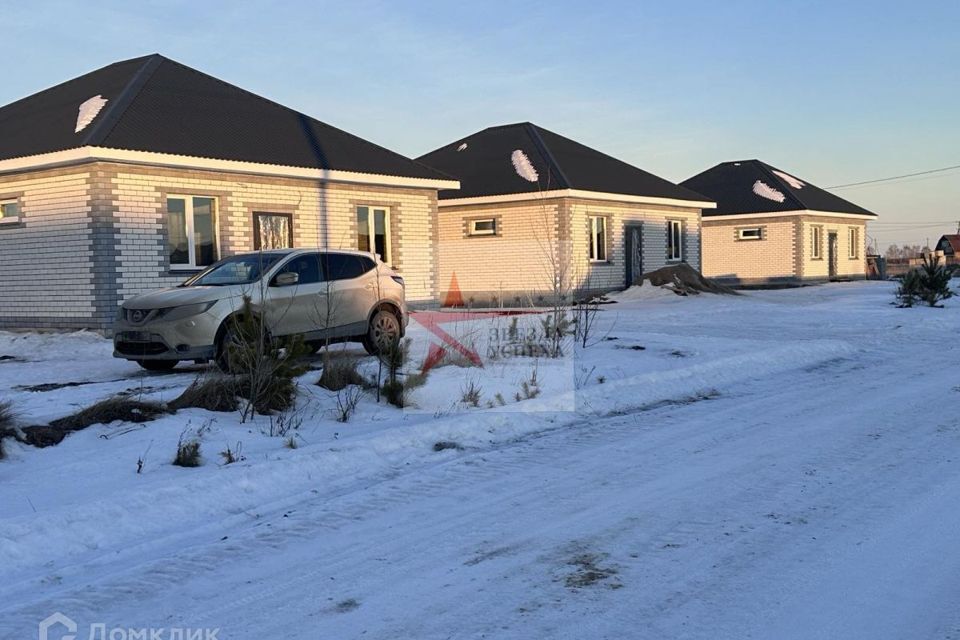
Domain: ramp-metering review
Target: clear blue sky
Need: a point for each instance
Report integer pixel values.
(834, 92)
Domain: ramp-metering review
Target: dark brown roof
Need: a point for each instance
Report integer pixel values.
(156, 104)
(482, 164)
(733, 186)
(949, 243)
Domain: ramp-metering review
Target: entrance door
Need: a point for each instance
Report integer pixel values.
(832, 254)
(633, 252)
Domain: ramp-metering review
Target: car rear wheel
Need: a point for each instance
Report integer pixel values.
(384, 331)
(158, 365)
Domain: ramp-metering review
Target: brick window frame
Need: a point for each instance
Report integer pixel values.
(15, 199)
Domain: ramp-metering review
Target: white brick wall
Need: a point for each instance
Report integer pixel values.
(323, 216)
(724, 256)
(785, 251)
(45, 259)
(516, 265)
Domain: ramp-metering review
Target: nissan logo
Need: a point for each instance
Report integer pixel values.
(136, 315)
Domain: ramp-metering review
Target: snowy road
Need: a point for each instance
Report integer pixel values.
(819, 503)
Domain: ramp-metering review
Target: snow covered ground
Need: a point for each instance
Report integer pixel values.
(780, 464)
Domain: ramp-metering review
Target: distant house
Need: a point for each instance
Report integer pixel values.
(136, 175)
(608, 220)
(950, 245)
(771, 227)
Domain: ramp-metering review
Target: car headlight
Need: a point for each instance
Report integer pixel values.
(187, 310)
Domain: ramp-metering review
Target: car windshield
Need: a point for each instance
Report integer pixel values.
(244, 269)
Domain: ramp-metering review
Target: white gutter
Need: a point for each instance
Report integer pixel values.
(576, 193)
(150, 158)
(785, 214)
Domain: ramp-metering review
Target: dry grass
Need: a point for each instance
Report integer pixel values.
(188, 453)
(211, 392)
(6, 424)
(110, 410)
(6, 416)
(470, 394)
(340, 373)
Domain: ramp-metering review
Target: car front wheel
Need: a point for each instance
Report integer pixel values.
(384, 331)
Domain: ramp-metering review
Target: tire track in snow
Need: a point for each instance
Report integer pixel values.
(545, 450)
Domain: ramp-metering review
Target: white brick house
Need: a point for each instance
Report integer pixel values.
(609, 221)
(136, 175)
(771, 228)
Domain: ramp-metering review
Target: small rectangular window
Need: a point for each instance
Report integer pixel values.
(816, 245)
(272, 231)
(191, 231)
(598, 239)
(674, 240)
(853, 239)
(482, 227)
(754, 233)
(9, 211)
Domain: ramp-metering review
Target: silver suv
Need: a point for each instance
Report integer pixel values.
(319, 295)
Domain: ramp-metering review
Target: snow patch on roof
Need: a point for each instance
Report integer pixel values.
(764, 190)
(88, 111)
(789, 179)
(523, 166)
(462, 147)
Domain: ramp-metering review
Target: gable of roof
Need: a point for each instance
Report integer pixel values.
(482, 164)
(752, 186)
(949, 243)
(157, 105)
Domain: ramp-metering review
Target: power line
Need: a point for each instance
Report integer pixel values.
(906, 175)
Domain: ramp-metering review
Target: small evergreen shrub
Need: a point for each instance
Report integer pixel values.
(265, 369)
(929, 284)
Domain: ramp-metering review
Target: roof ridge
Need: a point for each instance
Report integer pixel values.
(105, 125)
(303, 118)
(534, 133)
(60, 84)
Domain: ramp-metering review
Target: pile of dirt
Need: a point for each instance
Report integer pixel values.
(684, 280)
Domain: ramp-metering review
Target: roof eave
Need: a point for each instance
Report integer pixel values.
(791, 212)
(576, 193)
(88, 154)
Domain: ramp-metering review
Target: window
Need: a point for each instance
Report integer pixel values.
(373, 231)
(816, 245)
(674, 240)
(754, 233)
(306, 266)
(272, 231)
(9, 211)
(598, 239)
(482, 227)
(853, 240)
(191, 231)
(344, 266)
(245, 269)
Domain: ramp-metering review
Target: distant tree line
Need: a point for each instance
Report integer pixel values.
(906, 252)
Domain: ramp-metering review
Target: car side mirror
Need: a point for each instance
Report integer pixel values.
(286, 279)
